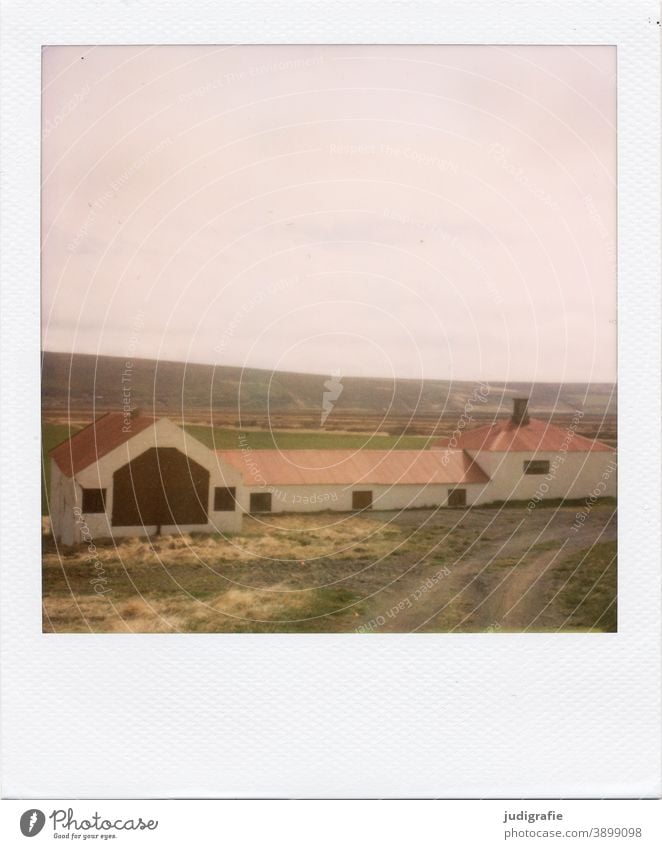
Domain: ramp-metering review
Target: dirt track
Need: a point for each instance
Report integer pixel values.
(507, 578)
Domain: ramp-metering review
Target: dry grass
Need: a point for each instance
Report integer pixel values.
(237, 609)
(288, 537)
(332, 572)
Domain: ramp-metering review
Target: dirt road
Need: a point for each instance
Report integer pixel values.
(508, 577)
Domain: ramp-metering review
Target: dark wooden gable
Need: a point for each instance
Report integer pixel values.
(160, 487)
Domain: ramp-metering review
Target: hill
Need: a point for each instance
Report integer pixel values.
(84, 384)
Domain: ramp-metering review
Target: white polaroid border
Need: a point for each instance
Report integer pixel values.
(420, 715)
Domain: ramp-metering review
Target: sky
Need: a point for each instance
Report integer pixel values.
(438, 212)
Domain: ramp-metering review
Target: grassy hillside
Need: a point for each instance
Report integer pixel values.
(86, 383)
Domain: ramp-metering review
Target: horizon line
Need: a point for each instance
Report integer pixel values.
(500, 380)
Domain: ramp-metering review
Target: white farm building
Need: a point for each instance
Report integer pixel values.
(133, 476)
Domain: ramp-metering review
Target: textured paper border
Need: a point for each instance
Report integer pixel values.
(424, 715)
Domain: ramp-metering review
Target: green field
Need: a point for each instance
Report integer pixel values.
(585, 588)
(219, 437)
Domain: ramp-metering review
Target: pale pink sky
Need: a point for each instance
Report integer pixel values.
(437, 212)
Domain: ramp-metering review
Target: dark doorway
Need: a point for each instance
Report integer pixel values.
(362, 499)
(260, 502)
(457, 498)
(160, 487)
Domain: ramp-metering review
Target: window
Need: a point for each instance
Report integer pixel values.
(457, 498)
(225, 499)
(94, 501)
(362, 499)
(536, 467)
(260, 502)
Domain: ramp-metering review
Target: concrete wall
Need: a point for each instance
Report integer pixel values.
(309, 499)
(574, 474)
(66, 494)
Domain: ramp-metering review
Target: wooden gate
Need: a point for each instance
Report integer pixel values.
(160, 487)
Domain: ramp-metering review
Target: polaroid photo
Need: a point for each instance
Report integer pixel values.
(293, 379)
(331, 402)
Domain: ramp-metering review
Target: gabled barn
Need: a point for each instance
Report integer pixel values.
(136, 475)
(131, 476)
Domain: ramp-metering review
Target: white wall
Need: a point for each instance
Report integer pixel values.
(63, 497)
(574, 474)
(310, 499)
(69, 526)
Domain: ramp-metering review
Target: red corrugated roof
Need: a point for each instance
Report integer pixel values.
(96, 440)
(534, 436)
(336, 466)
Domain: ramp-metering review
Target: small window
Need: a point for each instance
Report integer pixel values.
(536, 467)
(362, 499)
(260, 502)
(457, 498)
(225, 500)
(94, 501)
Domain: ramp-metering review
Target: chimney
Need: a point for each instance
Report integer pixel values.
(520, 412)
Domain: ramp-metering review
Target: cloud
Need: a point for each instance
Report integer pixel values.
(465, 196)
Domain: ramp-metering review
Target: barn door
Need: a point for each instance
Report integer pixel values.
(160, 487)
